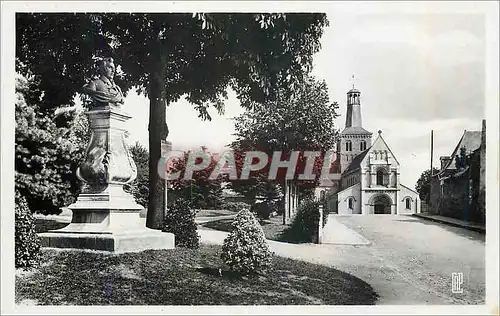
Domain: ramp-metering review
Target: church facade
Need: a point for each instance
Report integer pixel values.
(370, 172)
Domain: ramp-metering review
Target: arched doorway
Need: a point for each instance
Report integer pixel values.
(381, 204)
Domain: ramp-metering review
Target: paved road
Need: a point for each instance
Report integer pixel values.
(408, 261)
(411, 260)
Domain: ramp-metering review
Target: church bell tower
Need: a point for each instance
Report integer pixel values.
(354, 139)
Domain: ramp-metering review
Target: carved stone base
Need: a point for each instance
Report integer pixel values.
(107, 221)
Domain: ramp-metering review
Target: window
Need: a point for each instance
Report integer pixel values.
(350, 203)
(408, 205)
(362, 145)
(380, 177)
(348, 145)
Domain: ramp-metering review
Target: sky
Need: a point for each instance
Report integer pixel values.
(416, 73)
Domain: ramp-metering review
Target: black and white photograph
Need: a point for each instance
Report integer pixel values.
(264, 157)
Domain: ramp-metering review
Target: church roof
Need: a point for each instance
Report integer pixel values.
(356, 162)
(471, 140)
(355, 130)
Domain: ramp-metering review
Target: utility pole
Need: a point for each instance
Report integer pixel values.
(432, 149)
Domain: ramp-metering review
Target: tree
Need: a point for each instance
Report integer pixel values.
(167, 56)
(423, 186)
(139, 187)
(302, 122)
(46, 155)
(202, 192)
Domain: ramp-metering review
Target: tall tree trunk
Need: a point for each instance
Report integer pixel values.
(157, 131)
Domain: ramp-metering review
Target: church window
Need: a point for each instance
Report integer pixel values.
(362, 145)
(408, 205)
(348, 145)
(380, 177)
(350, 203)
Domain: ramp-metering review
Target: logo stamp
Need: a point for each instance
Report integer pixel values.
(457, 279)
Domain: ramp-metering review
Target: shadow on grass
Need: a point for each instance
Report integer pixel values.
(294, 235)
(44, 225)
(174, 277)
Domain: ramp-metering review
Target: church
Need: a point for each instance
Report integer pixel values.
(370, 172)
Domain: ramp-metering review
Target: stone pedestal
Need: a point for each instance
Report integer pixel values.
(105, 217)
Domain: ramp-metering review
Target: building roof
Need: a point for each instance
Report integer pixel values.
(471, 140)
(355, 130)
(408, 188)
(356, 162)
(353, 90)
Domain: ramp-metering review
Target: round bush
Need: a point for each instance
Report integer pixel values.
(27, 242)
(180, 220)
(245, 250)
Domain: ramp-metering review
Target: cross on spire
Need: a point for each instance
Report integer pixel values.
(352, 81)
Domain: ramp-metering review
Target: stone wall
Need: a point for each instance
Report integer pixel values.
(461, 194)
(482, 173)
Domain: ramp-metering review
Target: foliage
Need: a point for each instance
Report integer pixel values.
(263, 210)
(47, 153)
(27, 242)
(305, 224)
(302, 122)
(58, 50)
(245, 250)
(200, 190)
(139, 187)
(166, 56)
(423, 186)
(235, 206)
(180, 220)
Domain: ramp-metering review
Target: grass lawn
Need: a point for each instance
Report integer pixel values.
(213, 213)
(273, 229)
(181, 277)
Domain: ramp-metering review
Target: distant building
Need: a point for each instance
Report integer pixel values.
(370, 176)
(458, 189)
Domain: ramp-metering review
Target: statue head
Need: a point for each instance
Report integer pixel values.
(107, 67)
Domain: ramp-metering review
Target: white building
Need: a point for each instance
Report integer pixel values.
(370, 176)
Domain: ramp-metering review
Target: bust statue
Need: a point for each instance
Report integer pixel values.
(104, 90)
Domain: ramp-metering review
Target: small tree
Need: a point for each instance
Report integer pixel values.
(245, 250)
(27, 242)
(180, 221)
(49, 147)
(423, 186)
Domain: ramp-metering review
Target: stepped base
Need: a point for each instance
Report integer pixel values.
(133, 241)
(107, 223)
